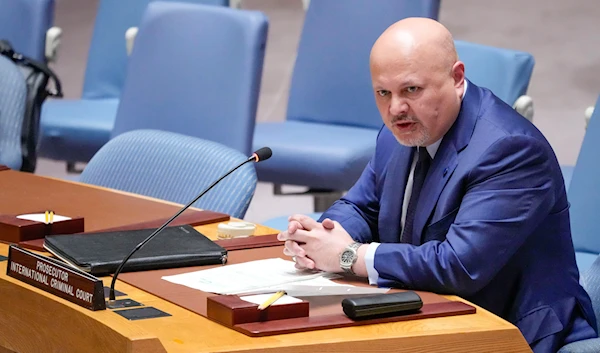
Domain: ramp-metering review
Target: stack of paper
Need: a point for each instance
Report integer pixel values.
(267, 276)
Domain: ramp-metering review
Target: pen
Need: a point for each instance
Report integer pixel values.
(271, 300)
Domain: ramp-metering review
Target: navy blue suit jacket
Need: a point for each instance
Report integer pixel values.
(492, 223)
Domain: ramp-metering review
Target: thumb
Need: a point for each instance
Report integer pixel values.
(328, 224)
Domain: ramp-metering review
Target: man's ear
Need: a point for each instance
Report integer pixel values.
(458, 73)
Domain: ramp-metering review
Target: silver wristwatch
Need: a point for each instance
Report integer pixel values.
(348, 257)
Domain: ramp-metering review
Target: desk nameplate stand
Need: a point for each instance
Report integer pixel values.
(56, 278)
(15, 230)
(230, 310)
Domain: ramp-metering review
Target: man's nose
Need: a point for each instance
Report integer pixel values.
(398, 106)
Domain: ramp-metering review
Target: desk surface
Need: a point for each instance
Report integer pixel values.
(33, 319)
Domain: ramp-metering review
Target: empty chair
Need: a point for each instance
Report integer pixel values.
(584, 196)
(332, 120)
(13, 94)
(567, 170)
(505, 72)
(27, 25)
(175, 168)
(195, 70)
(73, 130)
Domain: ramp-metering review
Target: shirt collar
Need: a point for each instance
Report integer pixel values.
(432, 149)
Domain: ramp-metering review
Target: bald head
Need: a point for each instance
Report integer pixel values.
(417, 80)
(416, 39)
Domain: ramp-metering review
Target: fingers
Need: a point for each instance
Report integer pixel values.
(299, 236)
(305, 221)
(294, 226)
(304, 262)
(293, 249)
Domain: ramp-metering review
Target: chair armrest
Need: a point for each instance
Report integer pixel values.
(591, 345)
(305, 4)
(588, 115)
(53, 36)
(524, 106)
(235, 4)
(130, 38)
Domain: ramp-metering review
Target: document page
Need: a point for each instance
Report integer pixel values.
(245, 277)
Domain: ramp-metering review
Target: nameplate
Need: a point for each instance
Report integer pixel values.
(56, 278)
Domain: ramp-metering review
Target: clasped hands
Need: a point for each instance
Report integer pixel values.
(315, 245)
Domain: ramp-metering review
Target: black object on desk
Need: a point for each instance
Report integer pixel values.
(101, 253)
(382, 305)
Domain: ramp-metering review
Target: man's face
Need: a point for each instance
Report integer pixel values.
(418, 102)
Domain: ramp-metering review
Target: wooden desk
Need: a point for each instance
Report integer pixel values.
(35, 321)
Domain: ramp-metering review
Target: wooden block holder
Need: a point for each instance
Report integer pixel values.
(230, 310)
(14, 230)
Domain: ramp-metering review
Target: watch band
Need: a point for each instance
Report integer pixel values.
(354, 246)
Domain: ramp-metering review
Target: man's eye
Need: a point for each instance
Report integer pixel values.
(382, 93)
(412, 89)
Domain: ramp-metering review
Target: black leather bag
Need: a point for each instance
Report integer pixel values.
(37, 75)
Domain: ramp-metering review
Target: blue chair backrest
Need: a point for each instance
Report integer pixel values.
(505, 72)
(173, 167)
(13, 94)
(584, 190)
(331, 82)
(24, 24)
(107, 57)
(195, 70)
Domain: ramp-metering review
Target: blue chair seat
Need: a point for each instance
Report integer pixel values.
(73, 130)
(315, 155)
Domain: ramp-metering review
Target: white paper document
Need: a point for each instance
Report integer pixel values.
(267, 276)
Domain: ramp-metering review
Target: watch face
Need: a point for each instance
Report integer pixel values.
(347, 257)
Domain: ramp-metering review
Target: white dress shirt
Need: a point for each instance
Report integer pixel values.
(372, 247)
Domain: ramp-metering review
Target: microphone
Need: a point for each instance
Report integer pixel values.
(259, 155)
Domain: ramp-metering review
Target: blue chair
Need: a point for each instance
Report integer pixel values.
(584, 196)
(332, 120)
(567, 170)
(73, 130)
(195, 70)
(26, 25)
(503, 71)
(590, 280)
(175, 168)
(13, 94)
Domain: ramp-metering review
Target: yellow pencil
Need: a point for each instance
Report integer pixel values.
(271, 300)
(46, 217)
(51, 217)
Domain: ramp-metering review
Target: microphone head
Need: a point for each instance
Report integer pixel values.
(262, 154)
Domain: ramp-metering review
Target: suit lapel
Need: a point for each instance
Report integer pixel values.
(394, 187)
(446, 159)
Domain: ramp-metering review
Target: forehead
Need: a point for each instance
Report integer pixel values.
(399, 72)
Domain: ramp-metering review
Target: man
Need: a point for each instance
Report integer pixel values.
(463, 196)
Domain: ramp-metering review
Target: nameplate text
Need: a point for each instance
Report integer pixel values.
(56, 278)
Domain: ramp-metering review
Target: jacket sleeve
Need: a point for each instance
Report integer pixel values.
(508, 193)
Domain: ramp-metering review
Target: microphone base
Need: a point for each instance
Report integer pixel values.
(121, 303)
